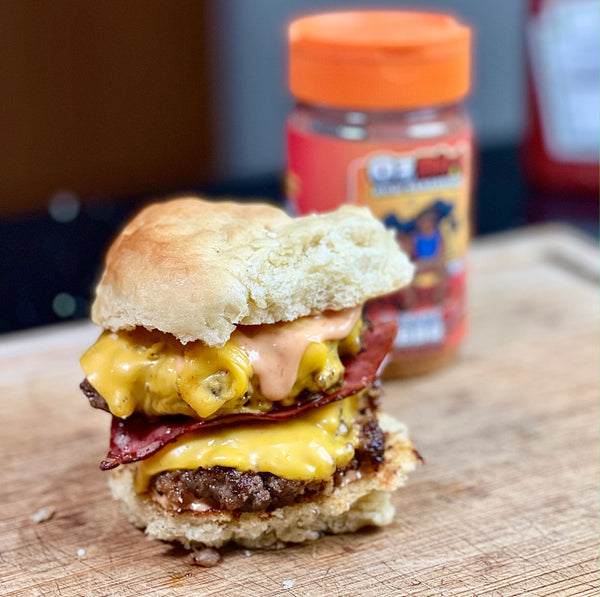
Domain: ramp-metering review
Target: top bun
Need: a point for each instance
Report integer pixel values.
(198, 268)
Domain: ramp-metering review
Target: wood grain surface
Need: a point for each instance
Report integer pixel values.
(506, 503)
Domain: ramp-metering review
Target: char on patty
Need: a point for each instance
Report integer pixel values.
(229, 489)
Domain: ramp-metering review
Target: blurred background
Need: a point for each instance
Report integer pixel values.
(106, 105)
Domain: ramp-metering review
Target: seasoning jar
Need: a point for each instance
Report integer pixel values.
(379, 122)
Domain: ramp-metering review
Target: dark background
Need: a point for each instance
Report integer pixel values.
(107, 105)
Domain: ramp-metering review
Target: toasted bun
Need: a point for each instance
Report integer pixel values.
(364, 502)
(197, 268)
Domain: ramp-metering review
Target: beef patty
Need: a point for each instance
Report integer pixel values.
(229, 489)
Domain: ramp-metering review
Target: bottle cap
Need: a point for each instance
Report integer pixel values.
(379, 59)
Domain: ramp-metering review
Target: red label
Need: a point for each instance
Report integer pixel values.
(420, 190)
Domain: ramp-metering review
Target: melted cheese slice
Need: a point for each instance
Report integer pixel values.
(306, 448)
(151, 372)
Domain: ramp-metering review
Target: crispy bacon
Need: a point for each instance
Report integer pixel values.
(139, 436)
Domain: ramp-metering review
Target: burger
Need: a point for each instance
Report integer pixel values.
(241, 373)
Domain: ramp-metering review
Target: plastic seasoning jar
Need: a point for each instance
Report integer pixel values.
(378, 122)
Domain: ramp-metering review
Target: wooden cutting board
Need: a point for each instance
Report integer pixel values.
(506, 503)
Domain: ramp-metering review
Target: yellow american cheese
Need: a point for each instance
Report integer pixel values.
(306, 448)
(151, 372)
(154, 373)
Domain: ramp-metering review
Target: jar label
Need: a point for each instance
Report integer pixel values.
(421, 191)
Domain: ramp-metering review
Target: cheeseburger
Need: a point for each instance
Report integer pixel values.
(241, 373)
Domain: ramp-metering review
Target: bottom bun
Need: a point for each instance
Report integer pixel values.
(359, 503)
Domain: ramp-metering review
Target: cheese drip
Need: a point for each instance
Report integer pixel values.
(151, 372)
(305, 448)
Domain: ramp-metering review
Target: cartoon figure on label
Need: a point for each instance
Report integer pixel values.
(423, 241)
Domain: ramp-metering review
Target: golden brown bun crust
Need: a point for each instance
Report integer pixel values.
(197, 268)
(364, 502)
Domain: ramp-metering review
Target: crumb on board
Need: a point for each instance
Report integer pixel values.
(247, 553)
(207, 557)
(81, 552)
(43, 514)
(288, 584)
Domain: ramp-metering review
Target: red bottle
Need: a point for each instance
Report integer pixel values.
(560, 149)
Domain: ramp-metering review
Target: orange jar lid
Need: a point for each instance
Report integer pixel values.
(379, 59)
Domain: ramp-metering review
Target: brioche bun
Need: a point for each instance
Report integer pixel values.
(196, 268)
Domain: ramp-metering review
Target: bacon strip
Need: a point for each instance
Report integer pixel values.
(139, 436)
